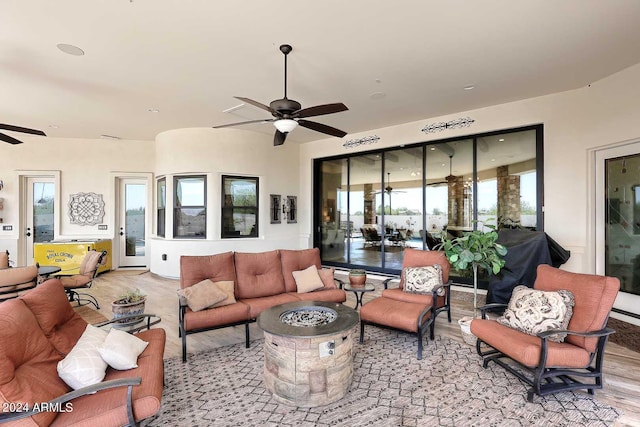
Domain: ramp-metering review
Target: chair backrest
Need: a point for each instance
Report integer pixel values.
(91, 261)
(4, 259)
(14, 281)
(594, 297)
(420, 258)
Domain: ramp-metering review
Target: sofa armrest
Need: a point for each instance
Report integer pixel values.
(386, 281)
(491, 307)
(593, 334)
(58, 404)
(340, 282)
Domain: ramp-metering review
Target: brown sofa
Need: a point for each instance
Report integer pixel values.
(37, 330)
(261, 281)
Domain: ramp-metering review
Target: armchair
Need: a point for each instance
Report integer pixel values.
(411, 312)
(87, 272)
(15, 281)
(371, 236)
(4, 259)
(547, 366)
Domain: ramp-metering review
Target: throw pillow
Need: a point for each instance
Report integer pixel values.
(423, 280)
(227, 287)
(308, 280)
(83, 366)
(532, 311)
(202, 295)
(121, 350)
(326, 275)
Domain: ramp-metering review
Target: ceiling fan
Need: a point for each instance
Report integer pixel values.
(447, 178)
(388, 189)
(288, 113)
(11, 140)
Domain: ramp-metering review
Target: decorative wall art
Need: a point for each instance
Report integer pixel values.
(291, 209)
(275, 208)
(86, 208)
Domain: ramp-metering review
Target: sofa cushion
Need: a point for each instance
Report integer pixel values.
(308, 280)
(258, 274)
(258, 305)
(27, 361)
(219, 316)
(194, 269)
(57, 319)
(329, 295)
(423, 280)
(84, 366)
(326, 275)
(534, 311)
(121, 350)
(203, 295)
(296, 260)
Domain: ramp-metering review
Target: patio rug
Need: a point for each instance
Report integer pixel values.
(448, 387)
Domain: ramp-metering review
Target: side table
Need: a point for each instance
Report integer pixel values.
(359, 292)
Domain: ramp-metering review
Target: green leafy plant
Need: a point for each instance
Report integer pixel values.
(473, 250)
(130, 297)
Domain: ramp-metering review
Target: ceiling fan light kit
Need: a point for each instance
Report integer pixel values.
(288, 114)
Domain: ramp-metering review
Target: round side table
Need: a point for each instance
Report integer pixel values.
(359, 292)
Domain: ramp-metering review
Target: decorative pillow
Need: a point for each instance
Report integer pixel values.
(423, 280)
(326, 275)
(83, 366)
(121, 350)
(532, 311)
(202, 295)
(308, 280)
(227, 287)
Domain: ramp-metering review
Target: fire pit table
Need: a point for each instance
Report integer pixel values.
(308, 351)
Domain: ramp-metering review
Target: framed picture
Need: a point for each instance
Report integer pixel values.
(275, 208)
(292, 209)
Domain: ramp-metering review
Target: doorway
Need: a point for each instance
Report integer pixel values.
(38, 222)
(617, 223)
(132, 222)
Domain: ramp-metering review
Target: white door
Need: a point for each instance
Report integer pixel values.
(39, 213)
(132, 222)
(617, 222)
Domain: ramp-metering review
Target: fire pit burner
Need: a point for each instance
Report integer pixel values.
(308, 316)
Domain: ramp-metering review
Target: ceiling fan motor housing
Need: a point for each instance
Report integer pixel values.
(285, 106)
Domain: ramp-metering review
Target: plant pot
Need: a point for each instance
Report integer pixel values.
(465, 328)
(357, 278)
(128, 309)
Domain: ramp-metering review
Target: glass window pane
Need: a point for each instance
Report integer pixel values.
(239, 207)
(43, 193)
(190, 213)
(190, 191)
(135, 202)
(161, 201)
(335, 219)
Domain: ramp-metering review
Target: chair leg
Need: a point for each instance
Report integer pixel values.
(419, 343)
(361, 332)
(246, 334)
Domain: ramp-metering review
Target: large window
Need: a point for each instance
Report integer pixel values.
(190, 207)
(161, 203)
(371, 206)
(239, 206)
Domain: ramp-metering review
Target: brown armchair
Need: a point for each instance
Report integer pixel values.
(15, 281)
(547, 366)
(410, 312)
(87, 272)
(4, 259)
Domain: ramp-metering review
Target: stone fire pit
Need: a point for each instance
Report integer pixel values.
(308, 351)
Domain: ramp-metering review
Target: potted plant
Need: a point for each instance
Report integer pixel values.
(474, 249)
(129, 303)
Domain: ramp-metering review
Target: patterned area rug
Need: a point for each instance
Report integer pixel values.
(448, 387)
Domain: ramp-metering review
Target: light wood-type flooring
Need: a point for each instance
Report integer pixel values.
(622, 366)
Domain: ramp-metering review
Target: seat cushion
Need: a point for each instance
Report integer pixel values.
(218, 316)
(58, 320)
(328, 295)
(399, 295)
(526, 348)
(258, 274)
(74, 282)
(393, 313)
(260, 304)
(27, 361)
(297, 260)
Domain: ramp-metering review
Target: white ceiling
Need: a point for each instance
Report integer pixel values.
(189, 58)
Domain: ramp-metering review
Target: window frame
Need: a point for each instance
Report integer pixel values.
(224, 209)
(161, 225)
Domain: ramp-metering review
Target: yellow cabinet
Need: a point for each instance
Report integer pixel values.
(68, 254)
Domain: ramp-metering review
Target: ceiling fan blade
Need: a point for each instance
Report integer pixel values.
(21, 129)
(10, 140)
(244, 123)
(278, 138)
(257, 104)
(319, 127)
(320, 110)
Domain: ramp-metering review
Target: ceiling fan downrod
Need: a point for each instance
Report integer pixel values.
(286, 50)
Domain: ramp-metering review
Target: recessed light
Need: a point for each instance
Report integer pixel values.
(377, 95)
(54, 126)
(70, 49)
(469, 87)
(153, 110)
(501, 140)
(443, 165)
(433, 148)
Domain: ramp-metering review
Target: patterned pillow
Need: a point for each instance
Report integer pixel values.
(423, 280)
(532, 311)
